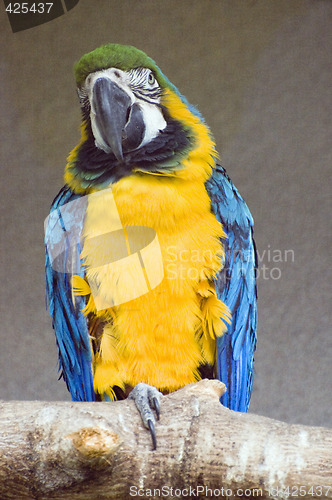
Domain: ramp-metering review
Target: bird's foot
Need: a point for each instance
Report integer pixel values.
(147, 399)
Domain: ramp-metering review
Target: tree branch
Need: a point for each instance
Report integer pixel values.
(101, 450)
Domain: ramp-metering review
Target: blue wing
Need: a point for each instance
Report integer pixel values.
(236, 287)
(63, 249)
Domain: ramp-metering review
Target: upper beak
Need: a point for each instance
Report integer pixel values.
(111, 107)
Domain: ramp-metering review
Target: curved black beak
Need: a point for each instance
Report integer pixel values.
(111, 106)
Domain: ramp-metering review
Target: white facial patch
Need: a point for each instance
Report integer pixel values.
(153, 117)
(121, 78)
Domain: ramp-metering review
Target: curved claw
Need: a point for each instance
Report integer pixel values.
(153, 434)
(156, 407)
(147, 400)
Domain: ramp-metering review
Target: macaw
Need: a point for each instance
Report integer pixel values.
(150, 257)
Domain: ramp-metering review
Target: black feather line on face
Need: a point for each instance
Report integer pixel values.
(96, 167)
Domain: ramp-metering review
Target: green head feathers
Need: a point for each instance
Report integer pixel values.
(124, 57)
(113, 55)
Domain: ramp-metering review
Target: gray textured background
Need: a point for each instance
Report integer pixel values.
(260, 73)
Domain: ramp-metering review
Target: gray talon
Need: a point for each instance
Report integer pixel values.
(156, 406)
(153, 434)
(147, 400)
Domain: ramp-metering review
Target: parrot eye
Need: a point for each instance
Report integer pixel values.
(144, 84)
(151, 78)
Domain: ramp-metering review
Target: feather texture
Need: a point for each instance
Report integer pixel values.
(63, 231)
(236, 287)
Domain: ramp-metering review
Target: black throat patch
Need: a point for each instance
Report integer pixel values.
(94, 167)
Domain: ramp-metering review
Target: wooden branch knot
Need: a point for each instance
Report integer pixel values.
(207, 387)
(93, 442)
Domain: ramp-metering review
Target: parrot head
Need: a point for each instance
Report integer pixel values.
(133, 120)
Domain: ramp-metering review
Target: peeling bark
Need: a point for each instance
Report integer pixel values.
(102, 451)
